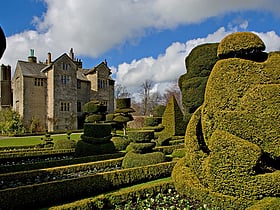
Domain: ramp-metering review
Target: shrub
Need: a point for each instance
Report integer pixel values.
(152, 121)
(178, 153)
(97, 129)
(87, 149)
(64, 144)
(132, 159)
(140, 147)
(120, 142)
(140, 136)
(172, 119)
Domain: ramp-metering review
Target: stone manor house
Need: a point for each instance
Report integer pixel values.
(52, 93)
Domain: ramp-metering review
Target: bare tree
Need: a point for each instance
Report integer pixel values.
(173, 90)
(121, 91)
(145, 93)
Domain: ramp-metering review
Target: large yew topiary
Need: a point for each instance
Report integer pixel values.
(199, 64)
(232, 141)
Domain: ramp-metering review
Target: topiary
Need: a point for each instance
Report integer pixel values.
(65, 144)
(199, 64)
(232, 141)
(120, 142)
(132, 159)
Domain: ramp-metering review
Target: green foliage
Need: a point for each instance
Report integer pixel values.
(94, 118)
(88, 149)
(162, 139)
(178, 153)
(158, 110)
(199, 64)
(123, 118)
(97, 130)
(120, 142)
(172, 119)
(240, 43)
(123, 103)
(140, 147)
(94, 107)
(232, 140)
(152, 121)
(140, 136)
(10, 122)
(132, 159)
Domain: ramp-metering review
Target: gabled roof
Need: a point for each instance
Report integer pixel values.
(30, 69)
(96, 68)
(50, 65)
(81, 75)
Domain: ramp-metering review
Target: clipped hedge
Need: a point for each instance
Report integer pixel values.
(64, 144)
(56, 163)
(167, 150)
(140, 147)
(57, 191)
(120, 142)
(241, 43)
(23, 154)
(132, 159)
(97, 129)
(111, 199)
(88, 149)
(140, 136)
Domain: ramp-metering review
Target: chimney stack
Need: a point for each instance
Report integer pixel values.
(49, 61)
(32, 58)
(71, 54)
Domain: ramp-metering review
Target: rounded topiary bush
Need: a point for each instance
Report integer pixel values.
(120, 142)
(240, 43)
(133, 159)
(87, 149)
(65, 144)
(141, 136)
(140, 147)
(152, 121)
(97, 130)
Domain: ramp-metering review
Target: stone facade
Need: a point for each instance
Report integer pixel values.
(53, 93)
(5, 87)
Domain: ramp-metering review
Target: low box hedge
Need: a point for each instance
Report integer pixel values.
(56, 163)
(50, 193)
(111, 199)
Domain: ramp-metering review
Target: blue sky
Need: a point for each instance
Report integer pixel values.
(140, 39)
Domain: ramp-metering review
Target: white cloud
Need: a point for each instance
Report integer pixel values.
(94, 27)
(167, 68)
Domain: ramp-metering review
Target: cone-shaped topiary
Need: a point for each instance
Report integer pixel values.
(173, 119)
(232, 141)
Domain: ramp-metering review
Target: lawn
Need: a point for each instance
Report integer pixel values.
(33, 140)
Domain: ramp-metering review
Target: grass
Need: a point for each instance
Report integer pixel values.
(33, 140)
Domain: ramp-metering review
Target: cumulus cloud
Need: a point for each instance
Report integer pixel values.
(94, 27)
(168, 67)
